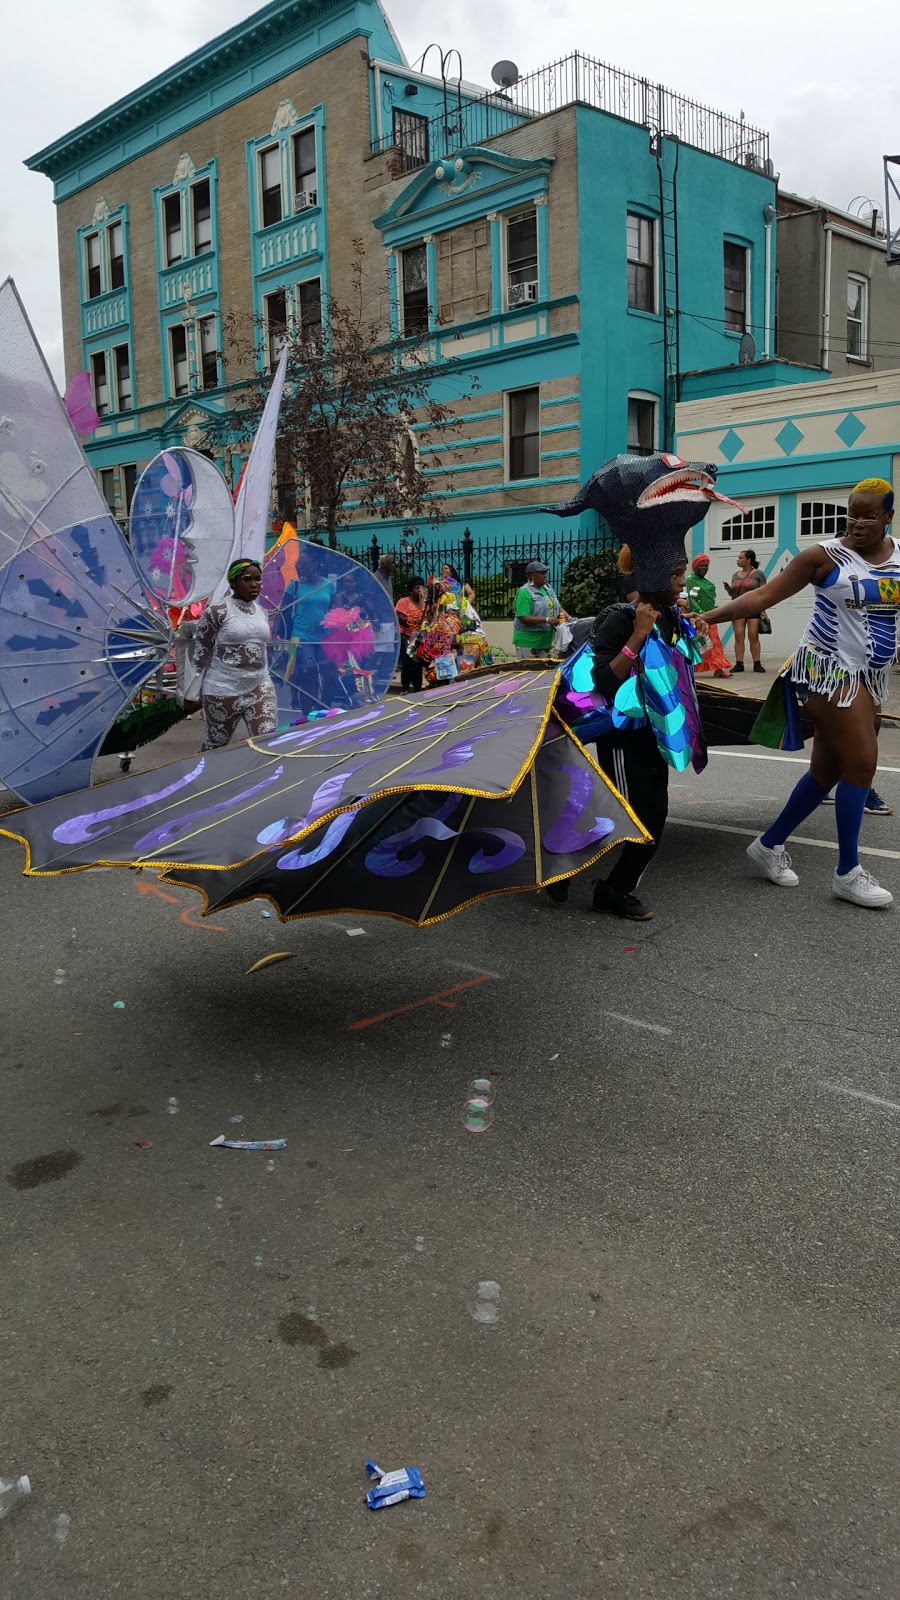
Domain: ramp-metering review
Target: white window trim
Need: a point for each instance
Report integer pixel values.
(750, 503)
(831, 497)
(645, 394)
(863, 353)
(507, 433)
(284, 159)
(654, 222)
(505, 219)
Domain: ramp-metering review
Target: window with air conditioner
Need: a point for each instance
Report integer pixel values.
(414, 290)
(641, 251)
(643, 413)
(736, 277)
(93, 273)
(749, 527)
(172, 229)
(823, 519)
(201, 217)
(116, 251)
(306, 180)
(410, 134)
(523, 426)
(122, 368)
(100, 379)
(270, 197)
(275, 307)
(180, 365)
(857, 317)
(521, 258)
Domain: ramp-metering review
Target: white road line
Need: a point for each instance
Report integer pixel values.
(748, 833)
(635, 1022)
(859, 1094)
(765, 755)
(466, 966)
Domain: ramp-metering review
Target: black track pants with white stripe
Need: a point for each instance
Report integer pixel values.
(633, 763)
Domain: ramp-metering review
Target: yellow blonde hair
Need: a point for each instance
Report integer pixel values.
(876, 486)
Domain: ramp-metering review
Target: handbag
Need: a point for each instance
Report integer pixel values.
(765, 625)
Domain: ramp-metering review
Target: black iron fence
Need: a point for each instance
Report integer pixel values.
(495, 568)
(578, 78)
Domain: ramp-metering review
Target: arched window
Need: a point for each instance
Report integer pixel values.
(822, 519)
(752, 525)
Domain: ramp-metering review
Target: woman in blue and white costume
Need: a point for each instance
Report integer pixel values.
(840, 670)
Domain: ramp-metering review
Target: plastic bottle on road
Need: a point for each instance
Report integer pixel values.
(12, 1490)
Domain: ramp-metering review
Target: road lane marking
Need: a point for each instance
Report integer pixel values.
(765, 755)
(748, 833)
(859, 1094)
(635, 1022)
(429, 1000)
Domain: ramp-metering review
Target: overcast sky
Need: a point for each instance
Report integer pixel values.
(788, 64)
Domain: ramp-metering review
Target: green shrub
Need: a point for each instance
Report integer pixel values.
(589, 583)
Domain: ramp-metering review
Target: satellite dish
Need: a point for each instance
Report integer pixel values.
(505, 73)
(747, 353)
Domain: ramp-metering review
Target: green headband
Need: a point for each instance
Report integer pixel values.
(237, 567)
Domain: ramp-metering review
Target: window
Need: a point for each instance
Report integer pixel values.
(108, 487)
(172, 229)
(822, 519)
(309, 308)
(180, 368)
(641, 250)
(756, 524)
(524, 428)
(122, 366)
(521, 258)
(857, 317)
(201, 217)
(129, 479)
(116, 249)
(642, 412)
(92, 265)
(276, 324)
(414, 299)
(410, 135)
(735, 288)
(270, 185)
(209, 353)
(101, 383)
(306, 181)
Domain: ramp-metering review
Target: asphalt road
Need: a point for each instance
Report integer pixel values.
(687, 1200)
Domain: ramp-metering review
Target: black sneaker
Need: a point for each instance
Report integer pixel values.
(758, 666)
(738, 666)
(558, 891)
(619, 903)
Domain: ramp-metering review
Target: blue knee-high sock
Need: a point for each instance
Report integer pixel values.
(849, 805)
(804, 798)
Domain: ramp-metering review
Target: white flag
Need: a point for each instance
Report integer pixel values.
(251, 512)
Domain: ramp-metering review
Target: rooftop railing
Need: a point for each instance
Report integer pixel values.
(579, 78)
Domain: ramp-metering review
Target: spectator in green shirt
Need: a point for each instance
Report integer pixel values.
(537, 615)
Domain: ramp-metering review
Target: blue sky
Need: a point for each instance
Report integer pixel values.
(788, 64)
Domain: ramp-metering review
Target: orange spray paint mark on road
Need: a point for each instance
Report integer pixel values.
(429, 1000)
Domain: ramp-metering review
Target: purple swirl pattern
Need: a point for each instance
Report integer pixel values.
(78, 830)
(167, 831)
(512, 851)
(384, 858)
(296, 860)
(560, 839)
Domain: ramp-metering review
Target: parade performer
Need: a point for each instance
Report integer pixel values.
(840, 671)
(643, 710)
(230, 651)
(701, 593)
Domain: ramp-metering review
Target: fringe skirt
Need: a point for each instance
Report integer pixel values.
(820, 672)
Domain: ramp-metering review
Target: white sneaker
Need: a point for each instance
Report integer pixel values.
(776, 863)
(861, 888)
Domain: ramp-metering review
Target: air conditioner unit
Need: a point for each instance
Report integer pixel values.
(305, 199)
(521, 293)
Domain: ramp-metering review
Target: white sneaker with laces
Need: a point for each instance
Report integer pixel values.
(861, 888)
(775, 862)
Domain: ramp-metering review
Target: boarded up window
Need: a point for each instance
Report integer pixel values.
(464, 273)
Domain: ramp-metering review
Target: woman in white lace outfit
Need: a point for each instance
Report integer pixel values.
(230, 651)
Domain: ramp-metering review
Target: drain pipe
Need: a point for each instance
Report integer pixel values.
(768, 219)
(826, 312)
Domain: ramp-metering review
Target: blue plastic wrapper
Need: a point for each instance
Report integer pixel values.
(392, 1487)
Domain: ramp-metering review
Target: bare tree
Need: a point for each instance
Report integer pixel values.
(353, 391)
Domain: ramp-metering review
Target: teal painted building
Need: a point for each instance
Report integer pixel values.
(577, 242)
